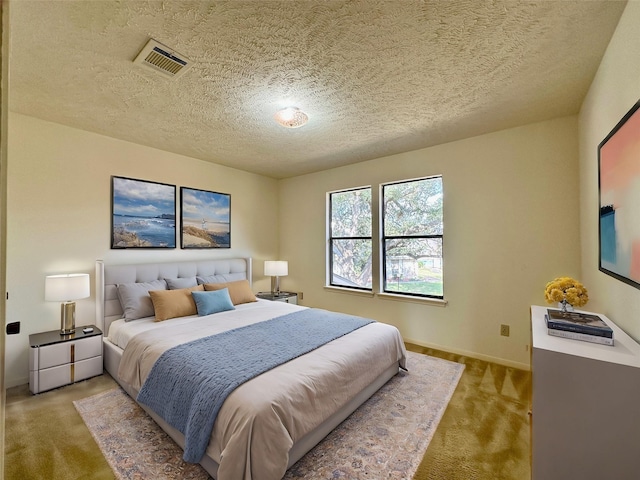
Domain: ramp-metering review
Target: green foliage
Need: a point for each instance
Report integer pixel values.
(351, 213)
(352, 261)
(420, 288)
(351, 217)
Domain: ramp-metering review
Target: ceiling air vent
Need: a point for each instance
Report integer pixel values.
(162, 59)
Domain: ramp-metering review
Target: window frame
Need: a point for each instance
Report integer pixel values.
(331, 239)
(384, 238)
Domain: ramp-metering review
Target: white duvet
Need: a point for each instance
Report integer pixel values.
(261, 420)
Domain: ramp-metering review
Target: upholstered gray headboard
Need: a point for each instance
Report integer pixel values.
(108, 307)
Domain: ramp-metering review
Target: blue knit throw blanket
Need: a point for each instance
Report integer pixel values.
(189, 383)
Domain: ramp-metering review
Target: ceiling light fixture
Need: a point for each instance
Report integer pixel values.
(291, 117)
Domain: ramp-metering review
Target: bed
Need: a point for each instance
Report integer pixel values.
(269, 422)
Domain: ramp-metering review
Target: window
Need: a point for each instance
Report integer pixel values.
(412, 237)
(350, 241)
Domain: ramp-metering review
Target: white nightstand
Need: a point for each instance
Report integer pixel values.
(56, 360)
(287, 297)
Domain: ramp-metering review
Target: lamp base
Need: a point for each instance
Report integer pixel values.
(275, 286)
(67, 318)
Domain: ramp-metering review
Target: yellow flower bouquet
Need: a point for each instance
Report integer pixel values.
(566, 290)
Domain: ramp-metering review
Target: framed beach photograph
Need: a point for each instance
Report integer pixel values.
(143, 214)
(205, 220)
(619, 192)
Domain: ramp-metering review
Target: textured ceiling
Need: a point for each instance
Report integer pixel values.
(375, 77)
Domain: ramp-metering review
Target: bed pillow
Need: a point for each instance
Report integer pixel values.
(173, 303)
(240, 291)
(177, 283)
(135, 300)
(208, 279)
(214, 301)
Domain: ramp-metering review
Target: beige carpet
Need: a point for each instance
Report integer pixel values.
(45, 438)
(485, 432)
(385, 438)
(483, 435)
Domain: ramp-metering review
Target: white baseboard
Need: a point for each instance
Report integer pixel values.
(479, 356)
(15, 382)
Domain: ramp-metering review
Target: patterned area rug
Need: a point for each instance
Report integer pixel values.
(385, 438)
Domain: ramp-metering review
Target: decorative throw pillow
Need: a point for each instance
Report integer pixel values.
(214, 301)
(240, 291)
(173, 303)
(209, 279)
(135, 300)
(177, 283)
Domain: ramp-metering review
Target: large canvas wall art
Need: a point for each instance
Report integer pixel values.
(205, 220)
(619, 187)
(143, 214)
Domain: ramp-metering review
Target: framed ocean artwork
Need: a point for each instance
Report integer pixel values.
(143, 214)
(619, 192)
(205, 220)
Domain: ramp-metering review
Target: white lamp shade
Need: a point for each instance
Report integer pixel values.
(63, 288)
(277, 268)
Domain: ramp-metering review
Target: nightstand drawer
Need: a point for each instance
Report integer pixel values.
(67, 352)
(41, 380)
(55, 377)
(88, 368)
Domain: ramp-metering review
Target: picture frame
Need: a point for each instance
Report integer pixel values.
(143, 214)
(619, 200)
(205, 219)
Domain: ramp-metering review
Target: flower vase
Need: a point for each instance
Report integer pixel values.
(565, 306)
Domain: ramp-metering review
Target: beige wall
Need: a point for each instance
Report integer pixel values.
(59, 217)
(615, 89)
(503, 239)
(511, 224)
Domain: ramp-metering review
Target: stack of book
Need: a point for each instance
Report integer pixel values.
(579, 326)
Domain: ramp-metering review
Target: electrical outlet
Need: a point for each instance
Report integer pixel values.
(300, 296)
(504, 330)
(13, 328)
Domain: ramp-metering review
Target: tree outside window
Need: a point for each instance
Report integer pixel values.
(350, 241)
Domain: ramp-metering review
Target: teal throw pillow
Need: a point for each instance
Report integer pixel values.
(214, 301)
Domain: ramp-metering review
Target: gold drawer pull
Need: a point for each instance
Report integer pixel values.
(73, 359)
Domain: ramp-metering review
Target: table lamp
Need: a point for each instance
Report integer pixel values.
(67, 288)
(276, 269)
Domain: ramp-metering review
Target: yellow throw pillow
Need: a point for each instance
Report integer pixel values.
(174, 303)
(240, 291)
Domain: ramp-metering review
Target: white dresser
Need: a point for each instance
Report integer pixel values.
(56, 360)
(585, 406)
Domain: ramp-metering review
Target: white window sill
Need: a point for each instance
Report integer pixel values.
(349, 291)
(436, 302)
